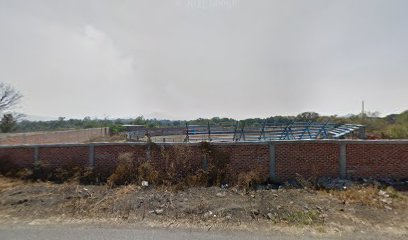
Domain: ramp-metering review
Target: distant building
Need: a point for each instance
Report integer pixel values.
(131, 128)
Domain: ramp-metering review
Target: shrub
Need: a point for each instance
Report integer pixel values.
(125, 172)
(24, 174)
(67, 171)
(146, 172)
(248, 180)
(218, 166)
(8, 167)
(199, 179)
(116, 129)
(397, 131)
(367, 196)
(178, 164)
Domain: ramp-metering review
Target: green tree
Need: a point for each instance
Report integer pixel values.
(8, 123)
(139, 121)
(308, 116)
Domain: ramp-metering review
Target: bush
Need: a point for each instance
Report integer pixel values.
(178, 164)
(8, 167)
(125, 172)
(218, 166)
(115, 129)
(248, 180)
(69, 172)
(183, 169)
(129, 171)
(397, 131)
(199, 179)
(146, 172)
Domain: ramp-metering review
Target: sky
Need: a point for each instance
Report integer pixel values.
(184, 59)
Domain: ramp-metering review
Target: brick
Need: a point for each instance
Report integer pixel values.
(308, 159)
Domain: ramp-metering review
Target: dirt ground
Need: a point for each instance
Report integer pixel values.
(357, 209)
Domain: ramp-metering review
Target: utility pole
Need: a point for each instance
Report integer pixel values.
(362, 112)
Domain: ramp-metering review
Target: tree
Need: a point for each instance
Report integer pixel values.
(308, 116)
(8, 123)
(139, 121)
(9, 97)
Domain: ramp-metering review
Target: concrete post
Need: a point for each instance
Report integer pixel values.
(272, 162)
(361, 132)
(91, 155)
(36, 156)
(342, 161)
(149, 152)
(205, 162)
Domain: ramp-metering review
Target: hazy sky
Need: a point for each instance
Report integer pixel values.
(183, 59)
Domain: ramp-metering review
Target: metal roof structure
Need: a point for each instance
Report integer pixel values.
(238, 132)
(293, 130)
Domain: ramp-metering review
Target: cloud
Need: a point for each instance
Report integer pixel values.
(68, 71)
(127, 58)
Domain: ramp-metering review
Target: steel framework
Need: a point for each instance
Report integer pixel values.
(291, 130)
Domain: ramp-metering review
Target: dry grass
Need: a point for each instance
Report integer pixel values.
(199, 206)
(198, 179)
(9, 168)
(180, 170)
(370, 196)
(361, 195)
(146, 172)
(6, 183)
(302, 217)
(125, 172)
(247, 180)
(130, 171)
(396, 194)
(306, 183)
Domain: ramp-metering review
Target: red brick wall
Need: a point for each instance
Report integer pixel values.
(69, 136)
(20, 157)
(377, 160)
(54, 157)
(244, 158)
(306, 159)
(106, 156)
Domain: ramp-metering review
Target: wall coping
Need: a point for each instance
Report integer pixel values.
(331, 141)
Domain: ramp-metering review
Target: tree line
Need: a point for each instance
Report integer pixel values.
(391, 126)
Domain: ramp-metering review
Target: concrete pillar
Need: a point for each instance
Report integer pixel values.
(342, 161)
(91, 155)
(361, 132)
(36, 156)
(205, 162)
(149, 152)
(272, 162)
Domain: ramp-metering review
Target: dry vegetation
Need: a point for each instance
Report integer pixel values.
(129, 171)
(371, 196)
(355, 209)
